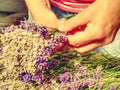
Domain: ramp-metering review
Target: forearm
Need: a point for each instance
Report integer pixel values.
(42, 13)
(38, 8)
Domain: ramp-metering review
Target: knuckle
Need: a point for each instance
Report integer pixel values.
(98, 35)
(108, 41)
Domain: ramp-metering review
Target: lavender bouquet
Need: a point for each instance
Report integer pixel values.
(26, 62)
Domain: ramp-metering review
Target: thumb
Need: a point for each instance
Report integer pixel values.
(74, 22)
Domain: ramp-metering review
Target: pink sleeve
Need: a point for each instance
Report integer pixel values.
(80, 1)
(71, 5)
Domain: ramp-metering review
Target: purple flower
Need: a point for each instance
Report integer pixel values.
(91, 83)
(65, 77)
(54, 63)
(22, 22)
(47, 50)
(75, 86)
(9, 29)
(70, 56)
(42, 64)
(96, 75)
(100, 86)
(113, 87)
(26, 77)
(82, 70)
(39, 57)
(34, 27)
(63, 39)
(67, 62)
(39, 77)
(43, 32)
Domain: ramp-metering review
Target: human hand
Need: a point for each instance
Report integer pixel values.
(42, 13)
(47, 18)
(102, 21)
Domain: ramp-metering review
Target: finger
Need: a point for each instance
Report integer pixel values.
(89, 35)
(76, 21)
(61, 47)
(88, 47)
(95, 44)
(57, 49)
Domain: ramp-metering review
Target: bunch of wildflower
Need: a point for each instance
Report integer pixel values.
(24, 62)
(28, 48)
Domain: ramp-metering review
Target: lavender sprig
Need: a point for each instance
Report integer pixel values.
(26, 77)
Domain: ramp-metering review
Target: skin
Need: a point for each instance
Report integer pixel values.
(100, 22)
(42, 13)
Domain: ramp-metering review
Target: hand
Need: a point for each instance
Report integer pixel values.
(42, 13)
(47, 18)
(102, 21)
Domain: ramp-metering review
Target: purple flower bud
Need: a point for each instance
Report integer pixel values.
(38, 57)
(22, 22)
(26, 77)
(96, 75)
(42, 64)
(9, 29)
(75, 86)
(100, 86)
(70, 56)
(85, 84)
(91, 83)
(43, 32)
(113, 87)
(39, 77)
(65, 77)
(23, 27)
(34, 27)
(54, 63)
(63, 39)
(47, 51)
(82, 70)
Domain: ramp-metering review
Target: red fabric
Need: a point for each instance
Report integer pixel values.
(71, 5)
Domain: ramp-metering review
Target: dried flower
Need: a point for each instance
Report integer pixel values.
(39, 77)
(91, 83)
(65, 77)
(96, 75)
(42, 64)
(114, 87)
(26, 77)
(101, 86)
(75, 86)
(54, 63)
(82, 70)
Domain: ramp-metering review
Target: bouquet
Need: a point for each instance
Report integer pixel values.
(27, 63)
